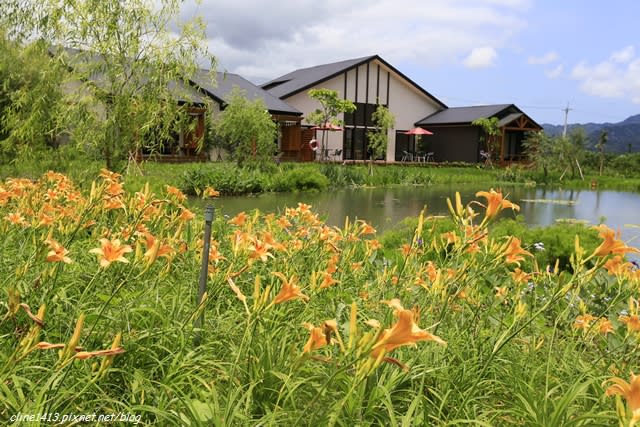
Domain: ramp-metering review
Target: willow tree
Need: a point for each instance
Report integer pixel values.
(29, 82)
(247, 129)
(128, 66)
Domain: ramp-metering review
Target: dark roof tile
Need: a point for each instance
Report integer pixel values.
(305, 78)
(225, 82)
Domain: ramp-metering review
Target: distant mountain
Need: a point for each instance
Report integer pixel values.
(624, 136)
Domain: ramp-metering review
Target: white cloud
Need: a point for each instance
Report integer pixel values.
(623, 55)
(265, 42)
(481, 57)
(554, 72)
(617, 77)
(545, 59)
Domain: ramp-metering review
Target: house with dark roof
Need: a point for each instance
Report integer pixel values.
(456, 139)
(286, 116)
(370, 80)
(365, 81)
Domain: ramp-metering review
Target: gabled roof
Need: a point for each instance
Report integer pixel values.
(90, 62)
(225, 83)
(463, 115)
(505, 113)
(305, 78)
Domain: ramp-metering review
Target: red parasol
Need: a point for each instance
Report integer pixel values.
(418, 131)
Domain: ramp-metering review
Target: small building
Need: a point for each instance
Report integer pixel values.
(365, 81)
(456, 139)
(287, 117)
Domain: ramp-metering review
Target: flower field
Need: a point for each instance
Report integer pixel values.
(304, 324)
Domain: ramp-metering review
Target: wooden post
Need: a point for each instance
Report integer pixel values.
(204, 272)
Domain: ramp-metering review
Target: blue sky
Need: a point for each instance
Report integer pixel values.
(539, 55)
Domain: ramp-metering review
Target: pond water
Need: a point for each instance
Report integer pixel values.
(385, 207)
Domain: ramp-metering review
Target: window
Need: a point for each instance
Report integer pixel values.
(355, 142)
(363, 116)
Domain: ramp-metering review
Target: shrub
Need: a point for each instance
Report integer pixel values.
(302, 179)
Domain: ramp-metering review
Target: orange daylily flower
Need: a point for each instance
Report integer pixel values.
(114, 189)
(111, 251)
(289, 291)
(317, 339)
(259, 250)
(404, 332)
(113, 202)
(632, 321)
(155, 248)
(332, 264)
(57, 253)
(630, 391)
(303, 208)
(520, 276)
(210, 192)
(367, 229)
(109, 176)
(51, 194)
(373, 245)
(186, 215)
(44, 219)
(269, 240)
(514, 250)
(214, 253)
(327, 280)
(616, 266)
(605, 326)
(583, 321)
(173, 191)
(239, 219)
(495, 203)
(612, 243)
(406, 249)
(449, 237)
(15, 218)
(283, 222)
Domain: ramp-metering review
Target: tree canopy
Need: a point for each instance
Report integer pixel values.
(247, 129)
(127, 63)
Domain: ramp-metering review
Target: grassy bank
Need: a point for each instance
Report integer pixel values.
(230, 180)
(304, 324)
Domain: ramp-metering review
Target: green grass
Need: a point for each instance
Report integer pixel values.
(513, 353)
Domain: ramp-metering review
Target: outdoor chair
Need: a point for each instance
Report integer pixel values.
(337, 154)
(407, 157)
(421, 157)
(430, 157)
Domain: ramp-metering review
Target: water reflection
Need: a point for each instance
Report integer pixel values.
(385, 207)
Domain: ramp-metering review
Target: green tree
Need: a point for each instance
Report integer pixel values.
(491, 131)
(602, 141)
(29, 84)
(570, 151)
(128, 64)
(247, 129)
(384, 121)
(330, 107)
(540, 149)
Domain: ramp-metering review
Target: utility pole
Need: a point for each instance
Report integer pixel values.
(566, 115)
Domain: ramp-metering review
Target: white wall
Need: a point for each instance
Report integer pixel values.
(405, 102)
